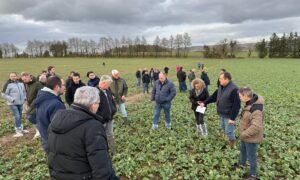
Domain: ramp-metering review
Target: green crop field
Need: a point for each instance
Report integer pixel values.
(177, 153)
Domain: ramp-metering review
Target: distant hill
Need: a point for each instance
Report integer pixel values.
(243, 47)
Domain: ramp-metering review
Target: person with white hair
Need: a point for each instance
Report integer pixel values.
(107, 109)
(77, 140)
(119, 91)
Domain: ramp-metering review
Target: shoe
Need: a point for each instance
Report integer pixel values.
(25, 131)
(37, 135)
(168, 126)
(18, 135)
(232, 143)
(204, 126)
(154, 127)
(251, 177)
(236, 166)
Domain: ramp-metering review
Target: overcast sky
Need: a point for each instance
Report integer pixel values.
(207, 21)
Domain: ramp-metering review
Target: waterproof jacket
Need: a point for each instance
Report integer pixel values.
(14, 92)
(205, 78)
(69, 96)
(181, 76)
(252, 119)
(46, 104)
(163, 93)
(94, 82)
(32, 89)
(107, 107)
(146, 78)
(194, 98)
(118, 89)
(78, 146)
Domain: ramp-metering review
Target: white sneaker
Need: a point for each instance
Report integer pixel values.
(25, 131)
(37, 135)
(18, 135)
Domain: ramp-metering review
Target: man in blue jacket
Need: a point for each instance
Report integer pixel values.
(163, 93)
(47, 103)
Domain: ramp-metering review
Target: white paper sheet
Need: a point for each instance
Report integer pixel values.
(201, 109)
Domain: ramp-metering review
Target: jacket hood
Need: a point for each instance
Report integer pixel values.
(42, 96)
(66, 120)
(6, 84)
(256, 100)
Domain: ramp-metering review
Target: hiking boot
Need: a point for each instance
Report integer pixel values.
(204, 127)
(251, 177)
(18, 135)
(112, 145)
(154, 127)
(232, 143)
(236, 166)
(126, 121)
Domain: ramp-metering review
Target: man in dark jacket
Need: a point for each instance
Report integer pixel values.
(119, 91)
(93, 79)
(32, 87)
(77, 141)
(205, 77)
(163, 93)
(47, 103)
(228, 105)
(146, 81)
(181, 76)
(76, 83)
(107, 110)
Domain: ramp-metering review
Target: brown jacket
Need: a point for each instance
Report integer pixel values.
(251, 123)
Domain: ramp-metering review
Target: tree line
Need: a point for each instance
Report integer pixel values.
(224, 49)
(280, 47)
(174, 46)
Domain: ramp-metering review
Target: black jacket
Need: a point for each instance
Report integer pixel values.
(71, 92)
(78, 146)
(201, 97)
(181, 76)
(107, 107)
(94, 82)
(146, 78)
(205, 78)
(138, 74)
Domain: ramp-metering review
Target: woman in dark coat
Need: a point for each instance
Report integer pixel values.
(199, 94)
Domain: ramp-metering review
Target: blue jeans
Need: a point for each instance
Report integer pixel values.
(122, 108)
(228, 129)
(166, 106)
(17, 112)
(146, 87)
(182, 86)
(248, 151)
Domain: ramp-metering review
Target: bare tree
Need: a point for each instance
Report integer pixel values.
(178, 43)
(187, 42)
(156, 45)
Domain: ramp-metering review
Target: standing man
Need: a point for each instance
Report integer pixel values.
(14, 93)
(228, 106)
(163, 93)
(32, 87)
(191, 77)
(250, 129)
(77, 141)
(181, 76)
(107, 109)
(47, 103)
(146, 81)
(75, 84)
(119, 91)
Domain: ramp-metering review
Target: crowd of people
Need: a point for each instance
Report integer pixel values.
(77, 135)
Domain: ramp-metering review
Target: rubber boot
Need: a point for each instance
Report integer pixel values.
(201, 130)
(232, 143)
(204, 127)
(125, 121)
(112, 145)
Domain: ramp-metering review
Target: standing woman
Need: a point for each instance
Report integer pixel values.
(198, 94)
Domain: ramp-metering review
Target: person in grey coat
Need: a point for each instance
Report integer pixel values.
(15, 95)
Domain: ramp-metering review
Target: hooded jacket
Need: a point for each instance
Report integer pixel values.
(46, 104)
(251, 123)
(32, 89)
(70, 92)
(14, 92)
(78, 146)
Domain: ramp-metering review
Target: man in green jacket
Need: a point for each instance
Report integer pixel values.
(32, 86)
(119, 91)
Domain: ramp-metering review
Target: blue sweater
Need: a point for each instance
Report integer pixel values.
(46, 104)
